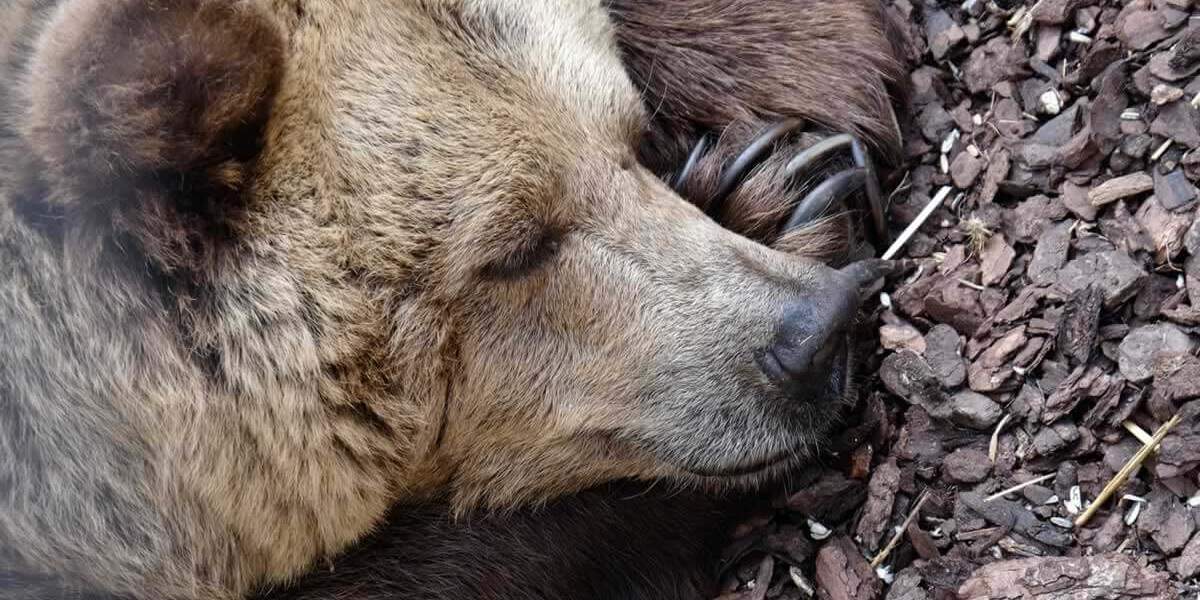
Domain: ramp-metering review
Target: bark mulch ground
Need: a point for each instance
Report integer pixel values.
(1004, 446)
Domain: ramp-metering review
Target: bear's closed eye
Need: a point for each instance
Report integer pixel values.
(527, 256)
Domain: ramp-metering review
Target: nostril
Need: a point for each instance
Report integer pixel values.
(810, 355)
(810, 335)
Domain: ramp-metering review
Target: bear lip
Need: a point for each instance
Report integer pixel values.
(839, 377)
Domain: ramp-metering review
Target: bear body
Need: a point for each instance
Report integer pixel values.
(270, 268)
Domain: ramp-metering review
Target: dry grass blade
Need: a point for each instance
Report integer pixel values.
(895, 541)
(1130, 467)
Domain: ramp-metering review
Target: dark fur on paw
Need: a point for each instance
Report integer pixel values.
(705, 64)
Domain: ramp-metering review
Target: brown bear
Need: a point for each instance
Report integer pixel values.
(269, 268)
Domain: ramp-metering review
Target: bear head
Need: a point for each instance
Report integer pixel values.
(401, 250)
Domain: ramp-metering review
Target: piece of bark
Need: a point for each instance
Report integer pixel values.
(1179, 454)
(1165, 228)
(1086, 381)
(901, 336)
(997, 170)
(1167, 521)
(1050, 254)
(1075, 198)
(1055, 438)
(1143, 344)
(996, 258)
(881, 495)
(1006, 513)
(1080, 324)
(843, 573)
(1180, 122)
(1189, 560)
(965, 169)
(1117, 275)
(830, 499)
(908, 376)
(1141, 28)
(992, 63)
(966, 465)
(943, 354)
(907, 586)
(923, 544)
(992, 370)
(1121, 187)
(974, 410)
(1173, 190)
(1100, 577)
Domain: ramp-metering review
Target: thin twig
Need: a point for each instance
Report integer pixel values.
(1130, 467)
(895, 541)
(1019, 487)
(912, 228)
(994, 444)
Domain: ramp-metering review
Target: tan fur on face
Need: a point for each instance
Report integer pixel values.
(406, 252)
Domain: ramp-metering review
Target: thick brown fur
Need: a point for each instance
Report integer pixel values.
(304, 261)
(618, 542)
(706, 64)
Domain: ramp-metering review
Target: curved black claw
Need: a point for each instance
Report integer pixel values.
(816, 153)
(818, 202)
(875, 206)
(751, 156)
(692, 160)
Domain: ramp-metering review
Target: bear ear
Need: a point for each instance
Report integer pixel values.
(137, 101)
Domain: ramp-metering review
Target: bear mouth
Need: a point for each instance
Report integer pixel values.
(827, 403)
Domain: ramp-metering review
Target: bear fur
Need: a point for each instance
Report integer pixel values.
(270, 268)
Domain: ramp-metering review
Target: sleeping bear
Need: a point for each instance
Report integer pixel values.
(276, 274)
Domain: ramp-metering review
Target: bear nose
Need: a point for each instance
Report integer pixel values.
(811, 332)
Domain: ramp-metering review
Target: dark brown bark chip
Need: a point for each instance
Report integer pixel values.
(1078, 329)
(909, 377)
(992, 63)
(1179, 454)
(843, 573)
(1116, 274)
(881, 495)
(1052, 439)
(966, 465)
(1055, 12)
(974, 410)
(1100, 577)
(1167, 521)
(830, 499)
(1075, 198)
(942, 32)
(1173, 190)
(943, 354)
(1007, 513)
(1140, 348)
(996, 258)
(1166, 229)
(965, 169)
(997, 170)
(1180, 122)
(1188, 565)
(1050, 254)
(1141, 28)
(1104, 118)
(907, 586)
